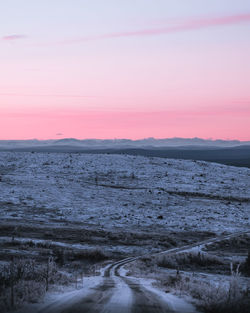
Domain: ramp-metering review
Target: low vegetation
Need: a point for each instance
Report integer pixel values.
(246, 265)
(225, 297)
(196, 274)
(191, 261)
(63, 256)
(25, 280)
(235, 245)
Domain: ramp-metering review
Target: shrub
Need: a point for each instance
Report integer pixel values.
(225, 297)
(24, 280)
(166, 261)
(94, 255)
(246, 265)
(183, 260)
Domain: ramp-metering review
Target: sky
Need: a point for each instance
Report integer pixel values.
(124, 69)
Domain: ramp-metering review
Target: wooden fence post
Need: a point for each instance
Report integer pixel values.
(47, 276)
(12, 302)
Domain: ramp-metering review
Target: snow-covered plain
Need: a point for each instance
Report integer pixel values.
(120, 206)
(120, 191)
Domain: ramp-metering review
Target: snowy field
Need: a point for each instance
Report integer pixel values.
(91, 211)
(120, 191)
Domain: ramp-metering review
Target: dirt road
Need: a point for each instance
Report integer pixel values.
(119, 294)
(114, 292)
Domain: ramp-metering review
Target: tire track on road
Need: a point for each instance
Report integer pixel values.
(120, 294)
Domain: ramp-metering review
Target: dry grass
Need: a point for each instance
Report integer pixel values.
(225, 297)
(191, 260)
(24, 280)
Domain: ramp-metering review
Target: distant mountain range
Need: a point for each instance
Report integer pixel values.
(229, 152)
(124, 143)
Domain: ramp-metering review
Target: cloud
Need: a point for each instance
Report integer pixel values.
(13, 37)
(194, 24)
(46, 95)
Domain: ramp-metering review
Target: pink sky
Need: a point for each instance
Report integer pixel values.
(119, 73)
(97, 124)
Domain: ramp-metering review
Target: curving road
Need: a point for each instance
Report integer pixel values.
(117, 293)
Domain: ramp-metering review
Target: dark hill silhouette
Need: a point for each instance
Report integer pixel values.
(236, 156)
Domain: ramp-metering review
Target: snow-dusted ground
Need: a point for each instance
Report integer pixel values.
(112, 292)
(57, 302)
(112, 191)
(120, 194)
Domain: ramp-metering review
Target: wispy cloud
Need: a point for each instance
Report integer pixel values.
(194, 24)
(13, 37)
(45, 95)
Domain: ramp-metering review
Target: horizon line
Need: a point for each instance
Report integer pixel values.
(130, 139)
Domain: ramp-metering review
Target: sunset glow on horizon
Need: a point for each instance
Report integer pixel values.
(125, 69)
